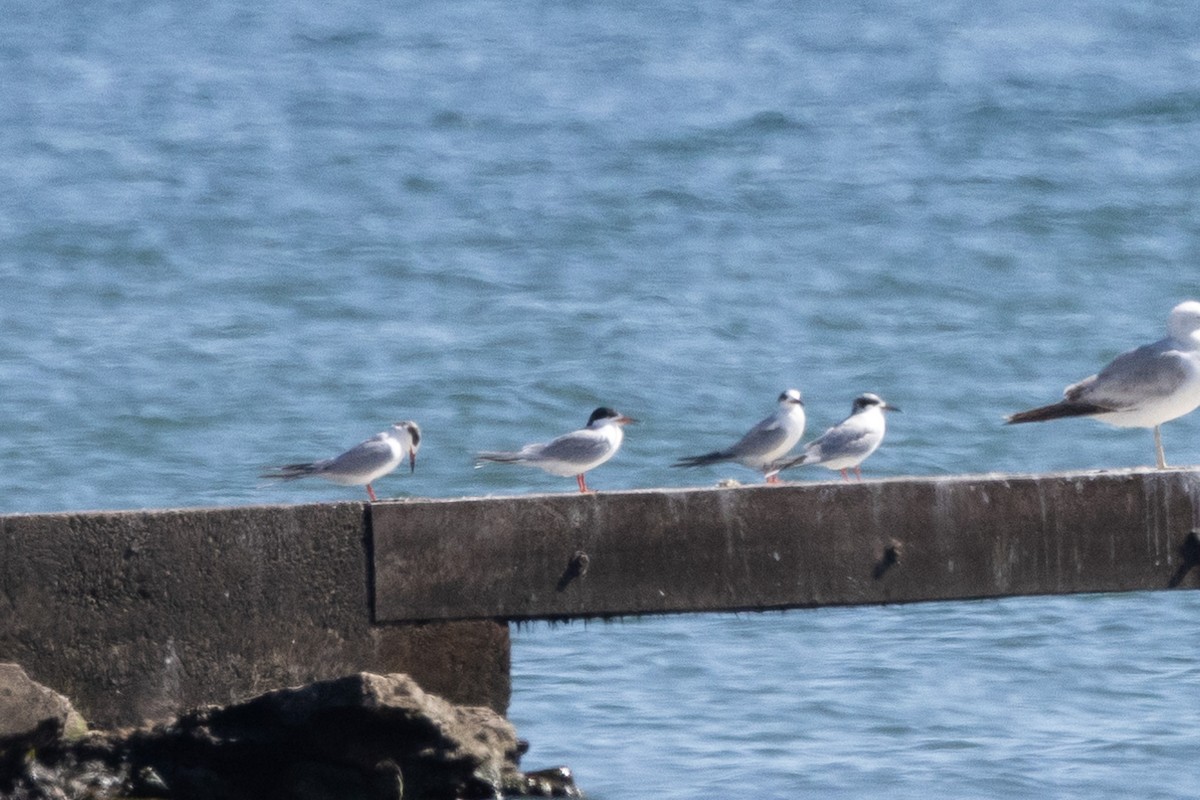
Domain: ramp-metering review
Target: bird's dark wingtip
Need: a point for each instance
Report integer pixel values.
(1063, 410)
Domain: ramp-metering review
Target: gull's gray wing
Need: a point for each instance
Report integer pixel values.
(1150, 372)
(363, 457)
(762, 438)
(575, 447)
(838, 443)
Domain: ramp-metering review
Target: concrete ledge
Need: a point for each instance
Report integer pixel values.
(140, 615)
(791, 546)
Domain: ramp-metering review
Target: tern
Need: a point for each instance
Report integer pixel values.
(365, 462)
(571, 454)
(848, 444)
(766, 442)
(1141, 388)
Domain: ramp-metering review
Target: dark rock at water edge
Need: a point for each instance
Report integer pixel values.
(31, 712)
(360, 737)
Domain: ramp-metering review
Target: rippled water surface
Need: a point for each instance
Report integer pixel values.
(233, 236)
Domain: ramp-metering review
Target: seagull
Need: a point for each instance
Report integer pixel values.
(1142, 388)
(572, 453)
(766, 442)
(365, 462)
(849, 443)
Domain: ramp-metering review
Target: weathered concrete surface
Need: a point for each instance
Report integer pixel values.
(766, 547)
(139, 615)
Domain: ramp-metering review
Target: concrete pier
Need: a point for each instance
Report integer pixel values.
(138, 615)
(789, 546)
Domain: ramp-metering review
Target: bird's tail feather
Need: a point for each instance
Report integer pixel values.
(707, 458)
(779, 466)
(1058, 410)
(290, 472)
(497, 456)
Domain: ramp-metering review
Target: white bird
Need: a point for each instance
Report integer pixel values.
(572, 453)
(1141, 388)
(848, 444)
(766, 442)
(365, 462)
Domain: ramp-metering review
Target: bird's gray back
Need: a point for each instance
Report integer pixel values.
(579, 446)
(1148, 373)
(762, 438)
(841, 442)
(362, 457)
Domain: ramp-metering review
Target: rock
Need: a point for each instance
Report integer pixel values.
(358, 723)
(47, 753)
(362, 737)
(31, 714)
(556, 782)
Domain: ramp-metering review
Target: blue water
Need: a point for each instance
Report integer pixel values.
(238, 235)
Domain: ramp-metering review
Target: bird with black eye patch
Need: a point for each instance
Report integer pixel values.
(364, 463)
(848, 444)
(572, 454)
(1141, 388)
(765, 443)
